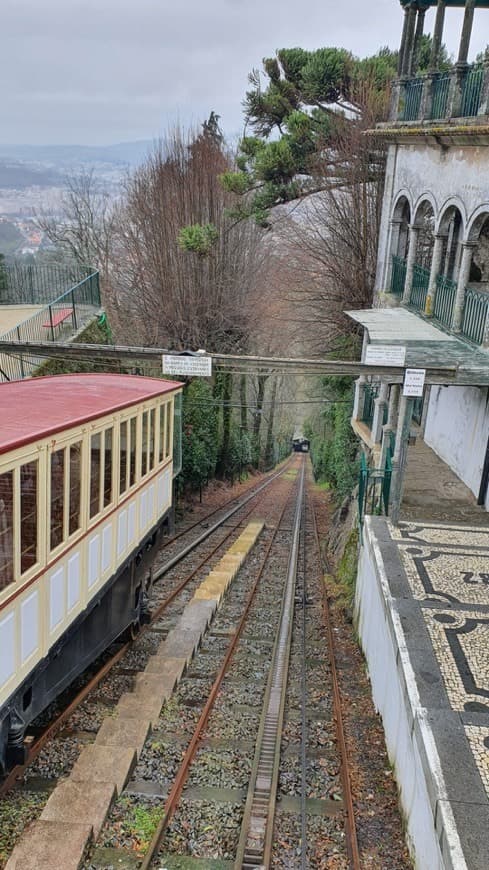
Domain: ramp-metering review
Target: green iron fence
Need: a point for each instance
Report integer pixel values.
(446, 290)
(32, 284)
(471, 93)
(63, 316)
(373, 488)
(369, 397)
(439, 95)
(474, 316)
(413, 89)
(419, 289)
(398, 275)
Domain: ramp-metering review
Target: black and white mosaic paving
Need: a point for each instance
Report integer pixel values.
(447, 573)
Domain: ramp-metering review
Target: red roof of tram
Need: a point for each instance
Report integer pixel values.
(38, 407)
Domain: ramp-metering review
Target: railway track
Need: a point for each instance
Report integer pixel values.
(247, 743)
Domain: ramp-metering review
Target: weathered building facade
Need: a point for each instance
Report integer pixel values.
(433, 256)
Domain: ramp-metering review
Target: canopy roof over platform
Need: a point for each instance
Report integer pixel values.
(426, 346)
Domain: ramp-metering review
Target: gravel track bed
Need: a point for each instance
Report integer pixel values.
(322, 776)
(203, 830)
(220, 768)
(57, 758)
(88, 717)
(320, 732)
(247, 696)
(175, 719)
(160, 759)
(232, 723)
(17, 809)
(325, 843)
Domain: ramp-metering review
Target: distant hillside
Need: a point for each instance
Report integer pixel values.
(18, 176)
(126, 153)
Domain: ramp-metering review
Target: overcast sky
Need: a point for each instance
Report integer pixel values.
(106, 71)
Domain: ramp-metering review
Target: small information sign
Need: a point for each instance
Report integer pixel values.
(385, 355)
(413, 382)
(199, 366)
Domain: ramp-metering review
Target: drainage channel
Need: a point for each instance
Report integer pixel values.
(257, 828)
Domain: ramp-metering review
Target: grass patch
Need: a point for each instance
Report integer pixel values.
(346, 572)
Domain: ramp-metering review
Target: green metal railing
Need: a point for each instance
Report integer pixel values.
(373, 489)
(369, 397)
(471, 93)
(446, 290)
(439, 95)
(81, 301)
(413, 89)
(32, 284)
(419, 289)
(474, 316)
(398, 275)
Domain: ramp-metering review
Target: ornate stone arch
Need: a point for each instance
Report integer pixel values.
(425, 213)
(451, 226)
(478, 234)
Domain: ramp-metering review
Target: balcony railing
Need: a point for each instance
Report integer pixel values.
(471, 93)
(474, 317)
(446, 290)
(438, 96)
(398, 275)
(77, 306)
(419, 290)
(413, 90)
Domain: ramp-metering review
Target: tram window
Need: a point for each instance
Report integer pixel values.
(144, 445)
(28, 515)
(57, 496)
(75, 483)
(107, 467)
(95, 445)
(6, 529)
(123, 457)
(132, 454)
(151, 439)
(162, 432)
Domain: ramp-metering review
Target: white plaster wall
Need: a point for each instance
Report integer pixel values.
(383, 249)
(407, 730)
(457, 429)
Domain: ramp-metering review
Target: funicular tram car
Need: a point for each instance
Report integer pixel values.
(86, 466)
(300, 444)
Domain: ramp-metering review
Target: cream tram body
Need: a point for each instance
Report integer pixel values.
(86, 467)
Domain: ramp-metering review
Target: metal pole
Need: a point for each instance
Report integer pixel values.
(466, 33)
(399, 459)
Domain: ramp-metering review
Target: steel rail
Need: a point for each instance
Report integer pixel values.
(256, 839)
(304, 697)
(351, 831)
(181, 776)
(188, 549)
(180, 534)
(35, 748)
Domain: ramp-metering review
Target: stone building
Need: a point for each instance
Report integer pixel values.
(432, 282)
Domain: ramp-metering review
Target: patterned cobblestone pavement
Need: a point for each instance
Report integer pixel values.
(447, 569)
